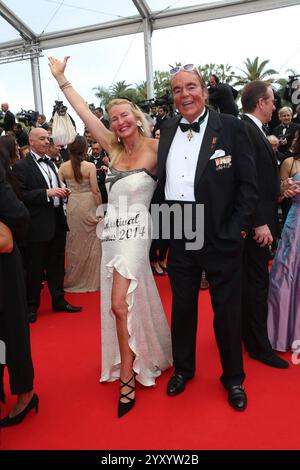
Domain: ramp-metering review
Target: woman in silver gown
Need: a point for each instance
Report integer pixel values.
(136, 341)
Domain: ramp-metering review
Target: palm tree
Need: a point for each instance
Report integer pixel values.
(141, 91)
(161, 83)
(283, 89)
(224, 72)
(103, 94)
(255, 71)
(120, 89)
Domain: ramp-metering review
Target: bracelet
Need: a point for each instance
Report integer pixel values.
(66, 84)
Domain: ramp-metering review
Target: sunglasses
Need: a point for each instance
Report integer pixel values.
(186, 68)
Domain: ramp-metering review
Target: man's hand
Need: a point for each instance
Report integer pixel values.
(263, 236)
(57, 192)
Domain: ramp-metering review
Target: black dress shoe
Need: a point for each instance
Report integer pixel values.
(176, 384)
(32, 318)
(271, 360)
(237, 397)
(67, 308)
(11, 421)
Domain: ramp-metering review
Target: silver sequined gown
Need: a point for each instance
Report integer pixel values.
(125, 248)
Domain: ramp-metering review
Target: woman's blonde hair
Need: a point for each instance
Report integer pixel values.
(143, 127)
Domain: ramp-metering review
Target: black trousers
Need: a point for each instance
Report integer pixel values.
(224, 274)
(255, 297)
(14, 328)
(158, 250)
(48, 257)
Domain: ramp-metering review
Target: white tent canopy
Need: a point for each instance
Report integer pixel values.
(73, 26)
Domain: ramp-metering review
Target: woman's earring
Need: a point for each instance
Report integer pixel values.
(119, 140)
(140, 125)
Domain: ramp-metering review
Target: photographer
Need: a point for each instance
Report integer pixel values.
(101, 161)
(286, 130)
(163, 115)
(222, 96)
(28, 118)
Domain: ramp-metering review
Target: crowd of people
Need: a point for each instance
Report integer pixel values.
(205, 157)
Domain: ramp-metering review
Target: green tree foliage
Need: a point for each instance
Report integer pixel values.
(255, 71)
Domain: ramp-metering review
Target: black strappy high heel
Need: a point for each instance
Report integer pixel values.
(124, 407)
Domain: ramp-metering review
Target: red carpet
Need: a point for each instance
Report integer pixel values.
(77, 412)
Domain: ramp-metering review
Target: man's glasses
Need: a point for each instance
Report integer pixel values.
(268, 98)
(186, 68)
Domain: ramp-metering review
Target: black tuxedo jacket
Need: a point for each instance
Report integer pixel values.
(228, 192)
(14, 214)
(267, 177)
(9, 121)
(44, 220)
(223, 97)
(289, 135)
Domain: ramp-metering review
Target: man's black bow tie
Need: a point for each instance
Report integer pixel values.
(44, 160)
(194, 126)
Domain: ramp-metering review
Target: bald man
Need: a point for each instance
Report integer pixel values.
(9, 118)
(45, 251)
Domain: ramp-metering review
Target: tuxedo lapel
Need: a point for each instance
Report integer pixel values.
(209, 143)
(54, 169)
(169, 131)
(34, 169)
(263, 139)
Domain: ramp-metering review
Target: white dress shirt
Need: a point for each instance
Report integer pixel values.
(182, 163)
(49, 175)
(257, 122)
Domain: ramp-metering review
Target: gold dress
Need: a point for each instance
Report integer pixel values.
(83, 247)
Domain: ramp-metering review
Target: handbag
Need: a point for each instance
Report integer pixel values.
(63, 131)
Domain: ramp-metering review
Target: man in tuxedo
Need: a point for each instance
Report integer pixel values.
(100, 160)
(222, 96)
(206, 158)
(9, 118)
(45, 252)
(99, 114)
(258, 104)
(286, 131)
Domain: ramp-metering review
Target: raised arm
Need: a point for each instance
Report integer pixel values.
(94, 125)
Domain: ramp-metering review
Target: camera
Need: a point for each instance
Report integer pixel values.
(59, 108)
(29, 118)
(145, 105)
(292, 90)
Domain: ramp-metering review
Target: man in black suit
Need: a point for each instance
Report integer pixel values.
(286, 131)
(222, 96)
(9, 118)
(100, 159)
(99, 114)
(210, 164)
(45, 251)
(258, 104)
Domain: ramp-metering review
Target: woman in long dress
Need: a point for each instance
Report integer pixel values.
(284, 288)
(83, 247)
(136, 341)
